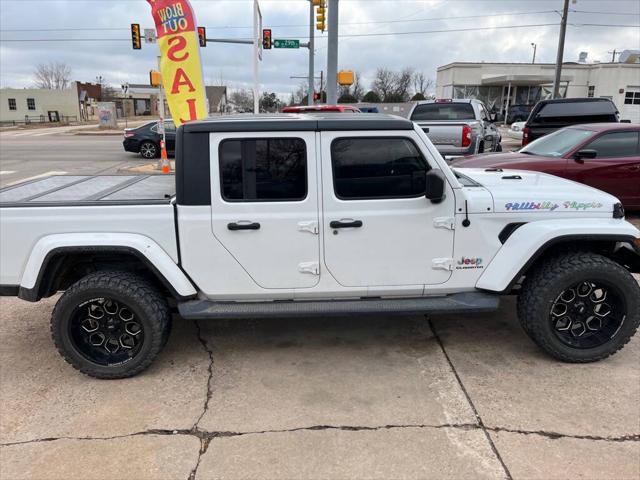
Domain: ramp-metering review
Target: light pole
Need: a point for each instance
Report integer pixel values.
(311, 85)
(535, 47)
(332, 54)
(563, 31)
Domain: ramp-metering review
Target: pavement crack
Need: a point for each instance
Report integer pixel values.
(470, 401)
(204, 446)
(633, 437)
(206, 437)
(209, 352)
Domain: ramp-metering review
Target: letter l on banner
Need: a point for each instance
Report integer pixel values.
(180, 63)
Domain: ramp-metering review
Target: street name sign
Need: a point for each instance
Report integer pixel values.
(286, 43)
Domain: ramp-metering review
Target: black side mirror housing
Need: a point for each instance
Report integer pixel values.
(435, 186)
(585, 153)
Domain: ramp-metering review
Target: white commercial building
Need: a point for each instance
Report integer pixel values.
(505, 84)
(39, 105)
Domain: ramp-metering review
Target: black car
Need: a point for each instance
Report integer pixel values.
(145, 139)
(519, 113)
(551, 115)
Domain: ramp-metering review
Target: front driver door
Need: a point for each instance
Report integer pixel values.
(379, 229)
(616, 168)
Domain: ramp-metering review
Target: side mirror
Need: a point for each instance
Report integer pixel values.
(493, 117)
(435, 186)
(586, 153)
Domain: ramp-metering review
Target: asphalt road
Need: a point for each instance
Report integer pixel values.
(25, 154)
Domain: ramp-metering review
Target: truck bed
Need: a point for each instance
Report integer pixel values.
(63, 190)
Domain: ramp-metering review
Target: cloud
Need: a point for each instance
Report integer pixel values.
(232, 64)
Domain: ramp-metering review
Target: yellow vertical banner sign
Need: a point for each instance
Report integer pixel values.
(180, 62)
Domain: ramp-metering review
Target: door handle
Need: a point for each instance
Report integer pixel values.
(347, 224)
(243, 226)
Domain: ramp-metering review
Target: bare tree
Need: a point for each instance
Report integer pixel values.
(393, 86)
(383, 83)
(52, 76)
(421, 83)
(242, 99)
(357, 90)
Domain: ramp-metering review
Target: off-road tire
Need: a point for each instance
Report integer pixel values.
(147, 303)
(542, 287)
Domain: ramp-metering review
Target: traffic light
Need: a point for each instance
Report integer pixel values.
(266, 39)
(202, 36)
(155, 79)
(135, 36)
(321, 14)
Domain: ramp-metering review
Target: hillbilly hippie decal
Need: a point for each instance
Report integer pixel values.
(551, 206)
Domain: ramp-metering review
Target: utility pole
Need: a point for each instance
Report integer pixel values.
(332, 54)
(559, 57)
(312, 18)
(535, 47)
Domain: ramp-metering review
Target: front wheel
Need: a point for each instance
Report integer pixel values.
(580, 307)
(110, 324)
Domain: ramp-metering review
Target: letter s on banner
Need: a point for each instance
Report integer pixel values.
(180, 62)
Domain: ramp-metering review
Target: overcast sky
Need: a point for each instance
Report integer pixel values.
(113, 58)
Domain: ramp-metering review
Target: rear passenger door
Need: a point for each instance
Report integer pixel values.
(264, 205)
(379, 230)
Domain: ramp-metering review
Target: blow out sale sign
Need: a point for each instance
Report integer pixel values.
(180, 62)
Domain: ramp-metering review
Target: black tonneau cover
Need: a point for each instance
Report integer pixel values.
(67, 190)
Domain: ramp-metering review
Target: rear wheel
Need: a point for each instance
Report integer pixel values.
(580, 307)
(110, 324)
(149, 150)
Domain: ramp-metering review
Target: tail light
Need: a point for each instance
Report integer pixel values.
(525, 136)
(466, 135)
(128, 134)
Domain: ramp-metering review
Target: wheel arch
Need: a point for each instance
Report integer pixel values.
(53, 267)
(526, 249)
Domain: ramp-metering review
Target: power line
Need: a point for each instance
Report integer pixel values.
(380, 34)
(222, 27)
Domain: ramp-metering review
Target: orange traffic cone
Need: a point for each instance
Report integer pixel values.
(164, 161)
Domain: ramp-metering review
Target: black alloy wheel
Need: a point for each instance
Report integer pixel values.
(588, 314)
(106, 332)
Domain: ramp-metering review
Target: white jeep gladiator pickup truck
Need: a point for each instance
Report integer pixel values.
(295, 215)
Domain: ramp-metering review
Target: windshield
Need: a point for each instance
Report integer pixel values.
(558, 143)
(443, 111)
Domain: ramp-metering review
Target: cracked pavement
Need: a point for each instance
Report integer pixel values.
(353, 397)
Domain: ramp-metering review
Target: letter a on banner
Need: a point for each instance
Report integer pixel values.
(180, 62)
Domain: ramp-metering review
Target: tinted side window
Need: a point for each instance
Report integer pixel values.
(618, 144)
(572, 113)
(263, 169)
(370, 168)
(443, 111)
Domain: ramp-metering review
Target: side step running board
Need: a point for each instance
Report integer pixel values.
(459, 302)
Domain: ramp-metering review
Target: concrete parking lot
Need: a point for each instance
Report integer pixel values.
(356, 397)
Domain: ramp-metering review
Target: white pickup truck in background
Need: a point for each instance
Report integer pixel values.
(332, 214)
(457, 127)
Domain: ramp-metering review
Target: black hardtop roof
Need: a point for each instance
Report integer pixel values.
(283, 122)
(575, 100)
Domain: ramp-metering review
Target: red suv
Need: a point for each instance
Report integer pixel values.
(321, 109)
(603, 155)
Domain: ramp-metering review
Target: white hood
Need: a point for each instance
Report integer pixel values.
(522, 191)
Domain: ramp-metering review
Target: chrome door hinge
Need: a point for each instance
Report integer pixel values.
(442, 264)
(311, 227)
(309, 267)
(444, 222)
